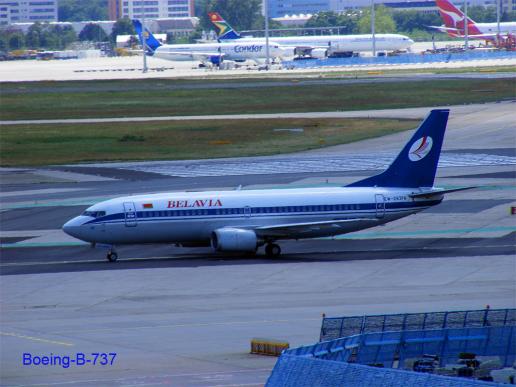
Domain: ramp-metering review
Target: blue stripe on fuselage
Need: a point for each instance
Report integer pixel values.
(337, 209)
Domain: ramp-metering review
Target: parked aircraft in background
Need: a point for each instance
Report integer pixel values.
(320, 46)
(454, 24)
(243, 220)
(213, 53)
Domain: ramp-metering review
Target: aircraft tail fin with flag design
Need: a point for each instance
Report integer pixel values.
(224, 30)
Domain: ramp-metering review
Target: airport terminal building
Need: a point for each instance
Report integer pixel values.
(27, 11)
(280, 8)
(152, 9)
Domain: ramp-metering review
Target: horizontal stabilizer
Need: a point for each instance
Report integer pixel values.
(445, 29)
(429, 193)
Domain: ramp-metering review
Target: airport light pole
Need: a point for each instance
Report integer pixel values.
(373, 22)
(144, 42)
(466, 26)
(498, 6)
(267, 52)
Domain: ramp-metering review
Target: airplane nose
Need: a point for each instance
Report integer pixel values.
(72, 228)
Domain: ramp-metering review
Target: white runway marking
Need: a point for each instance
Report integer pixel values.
(38, 339)
(378, 161)
(40, 191)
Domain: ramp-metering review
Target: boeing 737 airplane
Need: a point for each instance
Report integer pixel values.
(319, 46)
(455, 26)
(213, 53)
(242, 221)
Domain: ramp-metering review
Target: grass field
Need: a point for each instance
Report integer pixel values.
(58, 144)
(161, 97)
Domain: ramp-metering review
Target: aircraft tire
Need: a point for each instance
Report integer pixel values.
(272, 250)
(112, 257)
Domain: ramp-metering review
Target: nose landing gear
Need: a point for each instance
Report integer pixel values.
(112, 255)
(272, 250)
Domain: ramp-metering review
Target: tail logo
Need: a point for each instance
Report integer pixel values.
(420, 148)
(454, 16)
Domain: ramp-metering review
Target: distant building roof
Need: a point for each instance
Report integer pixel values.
(123, 40)
(291, 20)
(174, 24)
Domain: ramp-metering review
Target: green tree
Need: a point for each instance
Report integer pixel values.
(122, 27)
(508, 16)
(33, 36)
(408, 21)
(242, 15)
(93, 32)
(482, 14)
(50, 39)
(384, 23)
(16, 40)
(68, 36)
(200, 7)
(80, 10)
(332, 19)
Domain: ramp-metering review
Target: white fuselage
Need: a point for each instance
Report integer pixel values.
(344, 43)
(191, 218)
(506, 28)
(238, 51)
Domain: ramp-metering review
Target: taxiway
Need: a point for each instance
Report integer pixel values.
(185, 317)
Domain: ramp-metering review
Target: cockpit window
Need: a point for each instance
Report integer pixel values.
(94, 214)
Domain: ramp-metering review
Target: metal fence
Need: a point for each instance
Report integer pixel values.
(336, 362)
(335, 327)
(298, 371)
(401, 59)
(391, 349)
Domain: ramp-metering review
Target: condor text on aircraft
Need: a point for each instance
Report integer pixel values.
(213, 53)
(455, 26)
(319, 46)
(243, 221)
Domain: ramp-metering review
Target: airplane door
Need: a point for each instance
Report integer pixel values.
(247, 211)
(380, 205)
(130, 214)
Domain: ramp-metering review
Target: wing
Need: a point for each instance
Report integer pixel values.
(201, 56)
(314, 229)
(444, 29)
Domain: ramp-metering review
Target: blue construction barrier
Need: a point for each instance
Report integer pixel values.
(400, 59)
(388, 347)
(335, 327)
(335, 362)
(298, 371)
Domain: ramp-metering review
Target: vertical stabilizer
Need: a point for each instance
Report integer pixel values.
(151, 42)
(224, 30)
(453, 18)
(416, 164)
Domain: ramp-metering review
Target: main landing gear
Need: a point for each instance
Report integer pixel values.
(272, 250)
(112, 255)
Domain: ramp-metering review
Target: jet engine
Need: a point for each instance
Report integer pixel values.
(216, 60)
(319, 53)
(234, 239)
